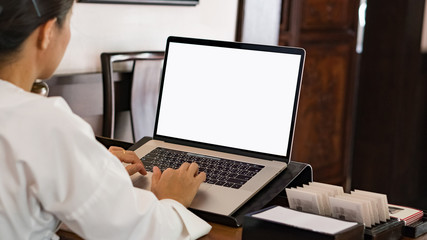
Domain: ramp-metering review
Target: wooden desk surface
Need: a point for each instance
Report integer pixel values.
(218, 232)
(221, 232)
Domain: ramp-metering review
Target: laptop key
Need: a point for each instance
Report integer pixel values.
(220, 183)
(232, 175)
(238, 181)
(254, 169)
(243, 177)
(211, 181)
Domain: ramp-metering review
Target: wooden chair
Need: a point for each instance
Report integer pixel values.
(144, 89)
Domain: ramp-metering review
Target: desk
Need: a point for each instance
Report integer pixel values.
(221, 232)
(218, 232)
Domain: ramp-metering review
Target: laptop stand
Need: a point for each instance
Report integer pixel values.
(296, 174)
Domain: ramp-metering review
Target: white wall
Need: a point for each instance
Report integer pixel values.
(98, 28)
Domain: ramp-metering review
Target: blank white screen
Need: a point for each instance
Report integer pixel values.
(229, 97)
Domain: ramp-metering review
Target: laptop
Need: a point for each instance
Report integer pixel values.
(231, 107)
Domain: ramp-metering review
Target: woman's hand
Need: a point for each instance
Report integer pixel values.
(135, 164)
(180, 184)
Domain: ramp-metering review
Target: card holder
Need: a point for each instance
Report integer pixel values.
(416, 229)
(257, 228)
(393, 229)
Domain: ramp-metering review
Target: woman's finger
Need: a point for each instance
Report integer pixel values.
(129, 157)
(184, 166)
(155, 178)
(193, 169)
(115, 148)
(134, 168)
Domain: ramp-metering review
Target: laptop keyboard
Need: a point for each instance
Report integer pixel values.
(219, 171)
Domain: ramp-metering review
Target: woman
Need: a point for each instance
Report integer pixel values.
(51, 167)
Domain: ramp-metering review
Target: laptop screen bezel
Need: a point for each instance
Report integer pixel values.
(236, 45)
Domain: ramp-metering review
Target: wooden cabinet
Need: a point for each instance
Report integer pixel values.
(327, 30)
(328, 15)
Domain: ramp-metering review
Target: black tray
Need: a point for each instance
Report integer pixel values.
(390, 230)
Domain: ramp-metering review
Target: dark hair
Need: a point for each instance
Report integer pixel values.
(19, 18)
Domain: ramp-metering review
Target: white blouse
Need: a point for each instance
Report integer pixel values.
(52, 169)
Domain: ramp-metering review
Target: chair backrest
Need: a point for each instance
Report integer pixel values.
(144, 90)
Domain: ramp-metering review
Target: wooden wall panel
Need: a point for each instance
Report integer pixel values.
(322, 116)
(327, 14)
(327, 30)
